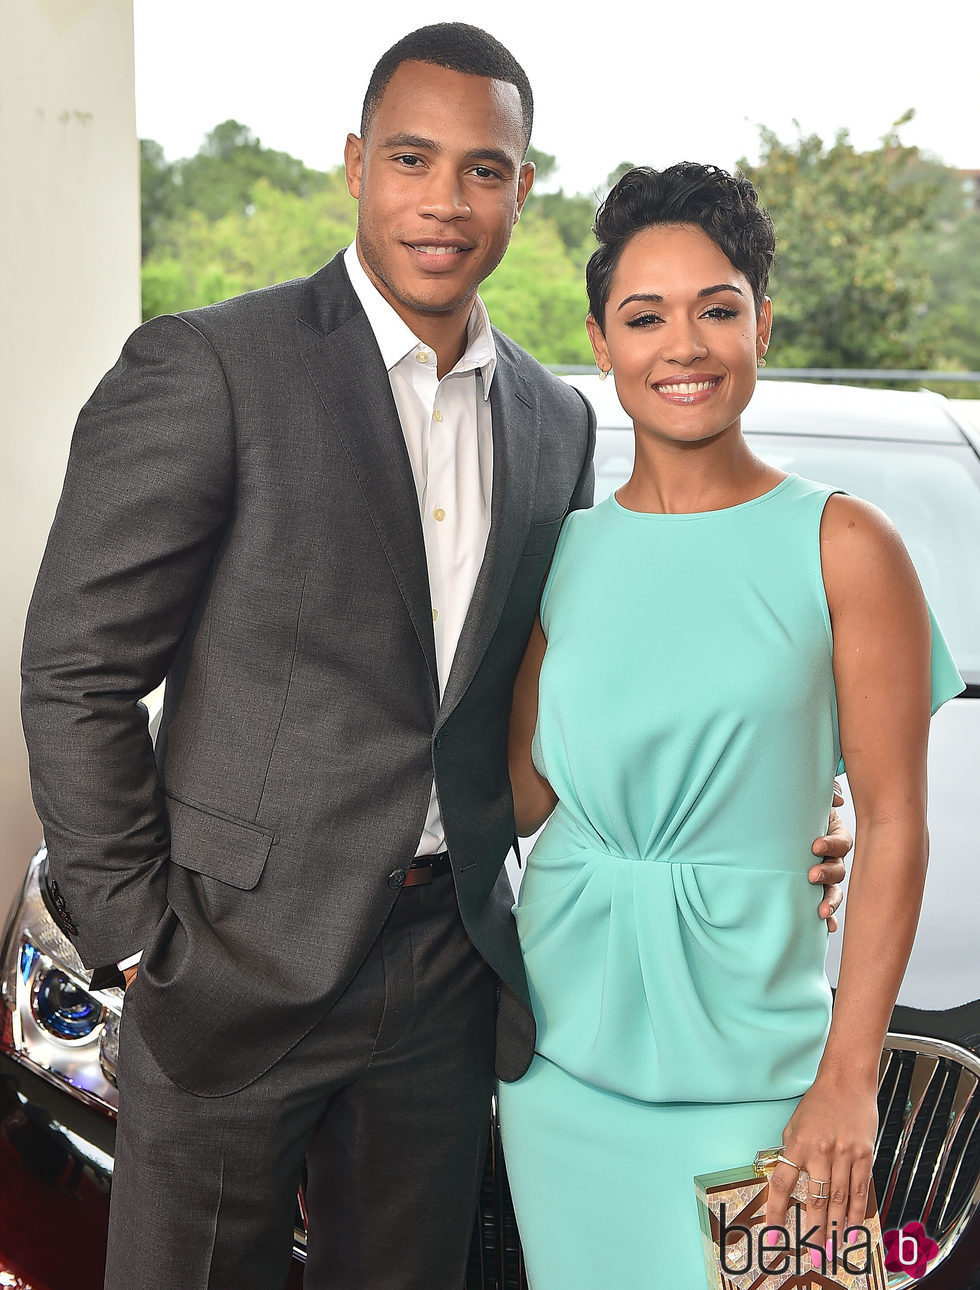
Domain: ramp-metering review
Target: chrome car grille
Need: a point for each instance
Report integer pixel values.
(927, 1155)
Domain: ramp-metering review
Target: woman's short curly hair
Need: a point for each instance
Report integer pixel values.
(725, 206)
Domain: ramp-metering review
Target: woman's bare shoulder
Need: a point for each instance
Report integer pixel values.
(862, 550)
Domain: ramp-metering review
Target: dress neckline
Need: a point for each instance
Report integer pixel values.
(700, 515)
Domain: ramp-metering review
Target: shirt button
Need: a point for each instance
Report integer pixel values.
(435, 614)
(422, 356)
(437, 415)
(438, 513)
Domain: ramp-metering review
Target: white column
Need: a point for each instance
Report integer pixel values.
(69, 296)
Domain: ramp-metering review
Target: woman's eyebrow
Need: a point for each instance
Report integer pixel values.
(641, 295)
(721, 286)
(653, 298)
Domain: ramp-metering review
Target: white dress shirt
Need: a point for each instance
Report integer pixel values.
(446, 424)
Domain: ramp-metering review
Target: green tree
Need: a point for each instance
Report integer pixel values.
(281, 235)
(849, 289)
(572, 214)
(544, 164)
(616, 175)
(571, 217)
(159, 194)
(950, 251)
(219, 179)
(537, 294)
(237, 216)
(223, 174)
(955, 288)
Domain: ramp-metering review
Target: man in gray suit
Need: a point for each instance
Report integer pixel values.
(323, 512)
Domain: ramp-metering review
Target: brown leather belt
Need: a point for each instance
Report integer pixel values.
(425, 868)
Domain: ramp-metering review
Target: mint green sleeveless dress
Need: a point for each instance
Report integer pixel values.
(686, 706)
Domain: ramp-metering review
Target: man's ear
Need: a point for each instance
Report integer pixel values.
(354, 164)
(599, 347)
(524, 182)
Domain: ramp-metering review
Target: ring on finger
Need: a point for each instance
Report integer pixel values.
(820, 1194)
(782, 1160)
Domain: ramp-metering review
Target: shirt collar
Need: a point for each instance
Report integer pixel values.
(396, 340)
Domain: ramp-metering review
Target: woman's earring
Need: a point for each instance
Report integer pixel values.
(603, 372)
(760, 361)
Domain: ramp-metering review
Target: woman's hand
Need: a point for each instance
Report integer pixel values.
(831, 1136)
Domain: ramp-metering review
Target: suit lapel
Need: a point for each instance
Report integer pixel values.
(515, 460)
(353, 385)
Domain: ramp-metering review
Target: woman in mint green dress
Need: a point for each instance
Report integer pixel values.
(712, 639)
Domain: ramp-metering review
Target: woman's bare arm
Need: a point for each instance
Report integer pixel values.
(534, 799)
(882, 674)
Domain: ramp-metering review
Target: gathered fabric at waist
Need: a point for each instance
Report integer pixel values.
(568, 837)
(673, 980)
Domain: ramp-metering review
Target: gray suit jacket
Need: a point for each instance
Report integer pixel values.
(239, 516)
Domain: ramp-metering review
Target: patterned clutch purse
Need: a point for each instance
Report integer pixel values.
(732, 1210)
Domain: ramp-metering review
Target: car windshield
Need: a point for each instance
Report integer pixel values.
(930, 491)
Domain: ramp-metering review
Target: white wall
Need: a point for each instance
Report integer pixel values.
(69, 295)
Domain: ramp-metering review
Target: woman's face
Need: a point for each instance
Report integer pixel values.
(681, 334)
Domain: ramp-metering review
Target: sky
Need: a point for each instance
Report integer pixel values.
(646, 84)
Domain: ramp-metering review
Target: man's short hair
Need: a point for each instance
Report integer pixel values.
(460, 48)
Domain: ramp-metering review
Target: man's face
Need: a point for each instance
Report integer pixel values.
(440, 184)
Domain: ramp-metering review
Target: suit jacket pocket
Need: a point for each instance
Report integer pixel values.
(541, 538)
(217, 845)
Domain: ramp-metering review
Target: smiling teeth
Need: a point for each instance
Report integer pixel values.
(686, 387)
(438, 250)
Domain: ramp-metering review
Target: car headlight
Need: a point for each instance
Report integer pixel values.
(61, 1008)
(51, 1021)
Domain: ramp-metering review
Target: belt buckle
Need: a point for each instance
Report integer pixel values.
(418, 877)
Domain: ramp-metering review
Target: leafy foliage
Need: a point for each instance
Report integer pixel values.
(220, 179)
(878, 260)
(159, 198)
(951, 249)
(848, 288)
(281, 235)
(537, 293)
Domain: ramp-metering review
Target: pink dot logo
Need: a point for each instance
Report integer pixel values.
(909, 1250)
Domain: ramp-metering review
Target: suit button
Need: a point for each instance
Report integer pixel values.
(396, 879)
(64, 920)
(438, 741)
